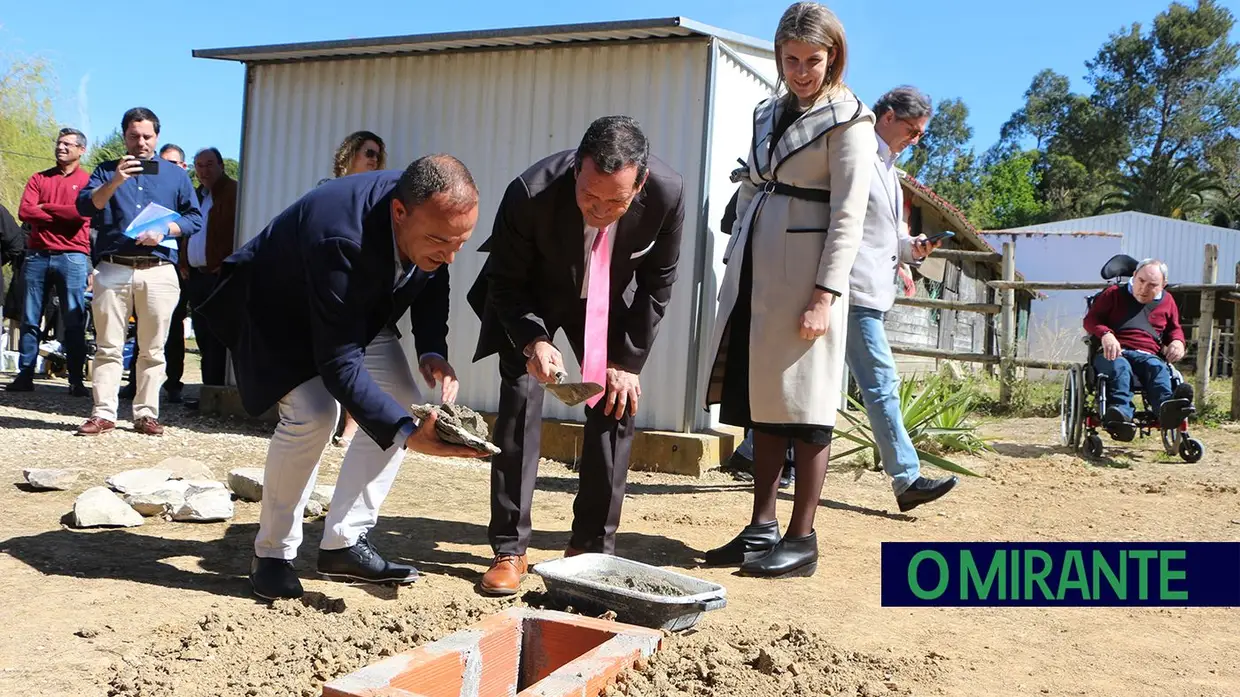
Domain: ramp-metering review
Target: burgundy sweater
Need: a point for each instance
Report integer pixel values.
(49, 206)
(1116, 311)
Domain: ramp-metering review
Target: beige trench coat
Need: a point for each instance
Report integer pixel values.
(797, 245)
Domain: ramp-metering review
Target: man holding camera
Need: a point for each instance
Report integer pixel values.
(136, 269)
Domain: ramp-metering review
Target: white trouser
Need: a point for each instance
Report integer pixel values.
(307, 419)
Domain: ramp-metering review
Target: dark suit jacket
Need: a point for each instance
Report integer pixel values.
(12, 248)
(306, 297)
(531, 282)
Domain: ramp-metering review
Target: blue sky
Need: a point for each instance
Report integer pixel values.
(107, 58)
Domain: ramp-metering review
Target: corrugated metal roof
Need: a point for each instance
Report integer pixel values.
(628, 30)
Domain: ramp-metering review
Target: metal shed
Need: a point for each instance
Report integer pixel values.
(500, 100)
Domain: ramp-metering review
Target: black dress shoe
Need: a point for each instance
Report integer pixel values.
(274, 578)
(793, 556)
(1119, 426)
(1183, 391)
(788, 476)
(77, 389)
(362, 562)
(22, 383)
(753, 542)
(924, 491)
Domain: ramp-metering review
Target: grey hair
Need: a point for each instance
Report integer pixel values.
(1153, 262)
(437, 174)
(81, 137)
(906, 101)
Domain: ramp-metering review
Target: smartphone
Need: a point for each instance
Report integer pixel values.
(940, 237)
(150, 166)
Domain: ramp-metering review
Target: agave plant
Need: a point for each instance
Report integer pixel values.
(934, 417)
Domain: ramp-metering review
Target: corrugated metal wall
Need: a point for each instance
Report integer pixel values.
(737, 92)
(1179, 243)
(498, 111)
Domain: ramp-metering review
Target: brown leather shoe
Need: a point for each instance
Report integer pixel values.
(95, 426)
(148, 426)
(504, 576)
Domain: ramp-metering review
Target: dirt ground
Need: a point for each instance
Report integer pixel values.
(164, 609)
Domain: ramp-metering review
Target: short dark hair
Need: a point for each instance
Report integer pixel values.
(81, 137)
(139, 113)
(172, 146)
(613, 143)
(906, 101)
(437, 174)
(214, 151)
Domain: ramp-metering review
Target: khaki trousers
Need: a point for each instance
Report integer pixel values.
(151, 295)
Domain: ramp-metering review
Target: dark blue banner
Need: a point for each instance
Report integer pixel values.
(1071, 574)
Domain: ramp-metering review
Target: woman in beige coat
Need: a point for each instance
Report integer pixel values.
(778, 345)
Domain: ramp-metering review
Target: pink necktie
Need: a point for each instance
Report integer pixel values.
(598, 293)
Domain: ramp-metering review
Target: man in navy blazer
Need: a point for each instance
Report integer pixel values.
(309, 310)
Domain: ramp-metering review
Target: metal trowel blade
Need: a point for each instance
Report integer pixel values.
(574, 393)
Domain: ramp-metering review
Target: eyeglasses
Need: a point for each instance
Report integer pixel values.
(371, 153)
(913, 131)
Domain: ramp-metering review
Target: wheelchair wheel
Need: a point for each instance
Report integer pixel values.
(1191, 450)
(1072, 408)
(1171, 440)
(1093, 446)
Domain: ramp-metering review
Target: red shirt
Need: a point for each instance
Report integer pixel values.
(1115, 307)
(49, 206)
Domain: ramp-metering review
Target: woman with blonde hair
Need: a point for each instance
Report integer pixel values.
(778, 344)
(361, 151)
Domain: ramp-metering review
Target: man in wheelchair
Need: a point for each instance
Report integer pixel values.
(1137, 326)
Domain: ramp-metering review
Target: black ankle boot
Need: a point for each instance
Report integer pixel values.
(753, 542)
(793, 556)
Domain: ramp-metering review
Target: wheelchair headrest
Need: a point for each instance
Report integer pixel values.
(1119, 266)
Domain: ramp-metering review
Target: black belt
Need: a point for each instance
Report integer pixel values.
(801, 192)
(136, 262)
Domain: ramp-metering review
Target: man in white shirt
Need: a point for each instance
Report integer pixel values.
(217, 198)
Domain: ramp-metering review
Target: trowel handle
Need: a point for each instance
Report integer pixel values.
(560, 377)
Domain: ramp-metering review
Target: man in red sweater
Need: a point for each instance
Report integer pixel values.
(1139, 325)
(57, 253)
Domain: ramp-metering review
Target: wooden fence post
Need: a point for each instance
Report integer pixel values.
(1007, 328)
(1235, 348)
(1205, 326)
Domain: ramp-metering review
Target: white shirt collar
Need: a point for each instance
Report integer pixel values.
(884, 151)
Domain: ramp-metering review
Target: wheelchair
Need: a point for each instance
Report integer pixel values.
(1084, 399)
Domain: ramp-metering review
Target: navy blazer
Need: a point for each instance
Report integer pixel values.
(305, 298)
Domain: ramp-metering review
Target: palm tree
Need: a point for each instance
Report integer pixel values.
(1172, 189)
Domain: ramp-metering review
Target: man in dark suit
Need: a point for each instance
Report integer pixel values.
(572, 233)
(309, 310)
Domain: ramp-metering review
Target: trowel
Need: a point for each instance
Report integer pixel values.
(572, 393)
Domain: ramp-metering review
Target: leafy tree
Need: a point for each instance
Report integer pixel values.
(110, 148)
(27, 125)
(1047, 104)
(1008, 193)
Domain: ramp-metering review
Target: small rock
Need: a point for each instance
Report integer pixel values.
(87, 633)
(456, 423)
(1236, 521)
(314, 509)
(98, 507)
(51, 479)
(323, 494)
(139, 481)
(246, 483)
(772, 661)
(205, 505)
(185, 468)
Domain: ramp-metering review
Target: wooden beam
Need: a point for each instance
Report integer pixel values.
(970, 255)
(944, 354)
(1205, 326)
(1091, 285)
(936, 304)
(1007, 327)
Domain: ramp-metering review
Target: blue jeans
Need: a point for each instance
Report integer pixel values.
(870, 361)
(67, 271)
(1152, 371)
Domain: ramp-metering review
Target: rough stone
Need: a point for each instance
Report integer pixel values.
(460, 425)
(186, 468)
(166, 499)
(323, 494)
(246, 483)
(51, 479)
(139, 481)
(314, 509)
(205, 505)
(100, 507)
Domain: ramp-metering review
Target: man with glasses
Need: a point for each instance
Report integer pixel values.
(56, 257)
(902, 116)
